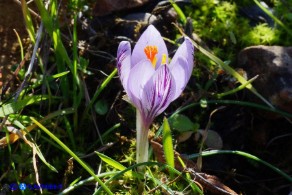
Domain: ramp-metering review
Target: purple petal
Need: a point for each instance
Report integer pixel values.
(180, 72)
(158, 93)
(124, 62)
(138, 77)
(185, 50)
(150, 37)
(181, 66)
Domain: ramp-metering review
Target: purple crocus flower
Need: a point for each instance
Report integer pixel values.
(150, 82)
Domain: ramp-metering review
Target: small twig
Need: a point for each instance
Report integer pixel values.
(32, 61)
(93, 116)
(30, 10)
(101, 149)
(205, 135)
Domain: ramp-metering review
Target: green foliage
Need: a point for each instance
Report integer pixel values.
(101, 107)
(182, 123)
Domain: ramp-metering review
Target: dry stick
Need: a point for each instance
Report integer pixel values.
(205, 135)
(30, 10)
(32, 61)
(93, 115)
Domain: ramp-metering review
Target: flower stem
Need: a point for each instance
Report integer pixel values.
(142, 143)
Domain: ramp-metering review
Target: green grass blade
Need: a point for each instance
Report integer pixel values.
(51, 25)
(179, 12)
(28, 21)
(100, 89)
(104, 135)
(58, 75)
(113, 163)
(34, 145)
(241, 87)
(273, 17)
(41, 156)
(228, 102)
(20, 44)
(193, 185)
(87, 168)
(77, 95)
(69, 131)
(12, 164)
(14, 107)
(246, 155)
(149, 164)
(236, 102)
(53, 30)
(167, 143)
(158, 182)
(85, 181)
(230, 71)
(40, 81)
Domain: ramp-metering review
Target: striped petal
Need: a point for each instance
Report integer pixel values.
(150, 37)
(158, 93)
(138, 77)
(124, 62)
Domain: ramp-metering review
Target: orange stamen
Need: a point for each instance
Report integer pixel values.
(151, 52)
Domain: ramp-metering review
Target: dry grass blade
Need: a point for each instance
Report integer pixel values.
(14, 136)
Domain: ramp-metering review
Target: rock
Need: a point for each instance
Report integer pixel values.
(105, 7)
(142, 17)
(256, 15)
(273, 64)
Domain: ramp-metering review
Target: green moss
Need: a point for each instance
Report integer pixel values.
(217, 24)
(261, 34)
(225, 31)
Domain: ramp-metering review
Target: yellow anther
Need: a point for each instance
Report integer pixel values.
(164, 58)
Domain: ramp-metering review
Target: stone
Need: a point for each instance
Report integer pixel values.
(273, 64)
(105, 7)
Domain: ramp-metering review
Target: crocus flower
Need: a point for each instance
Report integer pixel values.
(150, 81)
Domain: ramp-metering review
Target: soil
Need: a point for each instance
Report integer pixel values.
(11, 20)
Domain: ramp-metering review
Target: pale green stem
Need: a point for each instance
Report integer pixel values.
(142, 143)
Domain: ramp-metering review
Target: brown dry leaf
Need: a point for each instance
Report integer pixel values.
(13, 137)
(208, 182)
